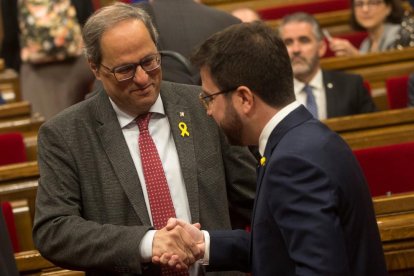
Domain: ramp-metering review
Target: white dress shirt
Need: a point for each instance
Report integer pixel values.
(160, 131)
(318, 89)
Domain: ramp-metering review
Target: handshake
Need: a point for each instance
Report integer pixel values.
(178, 245)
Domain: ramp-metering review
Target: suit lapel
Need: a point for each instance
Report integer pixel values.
(182, 128)
(296, 117)
(330, 92)
(113, 143)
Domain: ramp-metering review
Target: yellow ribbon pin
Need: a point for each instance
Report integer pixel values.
(183, 127)
(262, 161)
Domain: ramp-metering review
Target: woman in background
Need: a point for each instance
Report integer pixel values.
(380, 19)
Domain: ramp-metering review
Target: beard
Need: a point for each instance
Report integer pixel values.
(302, 67)
(232, 126)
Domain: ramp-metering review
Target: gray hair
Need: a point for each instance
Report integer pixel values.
(105, 18)
(303, 17)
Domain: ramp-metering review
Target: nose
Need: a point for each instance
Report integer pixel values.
(295, 47)
(209, 113)
(140, 76)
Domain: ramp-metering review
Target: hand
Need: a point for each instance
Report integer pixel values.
(342, 47)
(174, 260)
(175, 247)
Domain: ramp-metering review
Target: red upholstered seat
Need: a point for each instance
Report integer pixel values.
(355, 38)
(7, 211)
(388, 168)
(313, 7)
(397, 92)
(12, 148)
(367, 86)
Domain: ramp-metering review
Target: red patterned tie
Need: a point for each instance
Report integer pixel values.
(159, 195)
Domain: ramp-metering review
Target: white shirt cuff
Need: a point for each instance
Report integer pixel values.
(205, 260)
(145, 246)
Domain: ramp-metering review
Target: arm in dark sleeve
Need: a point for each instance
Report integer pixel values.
(229, 250)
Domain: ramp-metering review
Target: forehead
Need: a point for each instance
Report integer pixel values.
(297, 29)
(206, 79)
(126, 38)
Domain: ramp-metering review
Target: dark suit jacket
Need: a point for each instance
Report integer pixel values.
(183, 25)
(90, 210)
(313, 212)
(346, 94)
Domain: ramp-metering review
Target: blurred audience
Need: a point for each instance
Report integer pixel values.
(325, 93)
(246, 14)
(380, 19)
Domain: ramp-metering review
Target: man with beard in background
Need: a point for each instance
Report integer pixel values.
(325, 93)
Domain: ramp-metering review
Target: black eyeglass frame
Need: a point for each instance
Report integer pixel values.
(369, 3)
(206, 99)
(156, 56)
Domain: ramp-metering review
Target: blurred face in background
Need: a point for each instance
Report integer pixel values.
(304, 49)
(371, 14)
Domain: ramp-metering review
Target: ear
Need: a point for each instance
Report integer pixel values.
(243, 99)
(322, 48)
(94, 69)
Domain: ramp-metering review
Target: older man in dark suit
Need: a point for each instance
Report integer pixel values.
(325, 93)
(97, 205)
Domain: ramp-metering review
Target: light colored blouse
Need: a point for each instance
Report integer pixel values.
(387, 39)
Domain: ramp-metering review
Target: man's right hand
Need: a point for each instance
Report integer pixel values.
(190, 245)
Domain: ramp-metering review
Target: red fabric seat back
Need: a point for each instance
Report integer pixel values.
(397, 92)
(355, 38)
(7, 211)
(12, 148)
(388, 168)
(367, 86)
(313, 7)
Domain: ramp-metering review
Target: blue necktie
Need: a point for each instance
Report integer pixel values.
(310, 101)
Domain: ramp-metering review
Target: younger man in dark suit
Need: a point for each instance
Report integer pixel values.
(313, 213)
(334, 93)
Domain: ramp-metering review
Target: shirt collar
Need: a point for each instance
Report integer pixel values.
(126, 119)
(316, 82)
(273, 122)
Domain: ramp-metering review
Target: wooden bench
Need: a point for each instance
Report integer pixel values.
(27, 126)
(375, 68)
(9, 85)
(15, 110)
(30, 142)
(395, 218)
(375, 129)
(23, 220)
(32, 263)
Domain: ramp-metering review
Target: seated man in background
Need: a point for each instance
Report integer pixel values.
(325, 93)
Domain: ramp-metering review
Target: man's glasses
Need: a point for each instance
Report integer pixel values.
(369, 3)
(127, 71)
(206, 99)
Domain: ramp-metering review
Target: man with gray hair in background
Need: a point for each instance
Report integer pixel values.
(325, 93)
